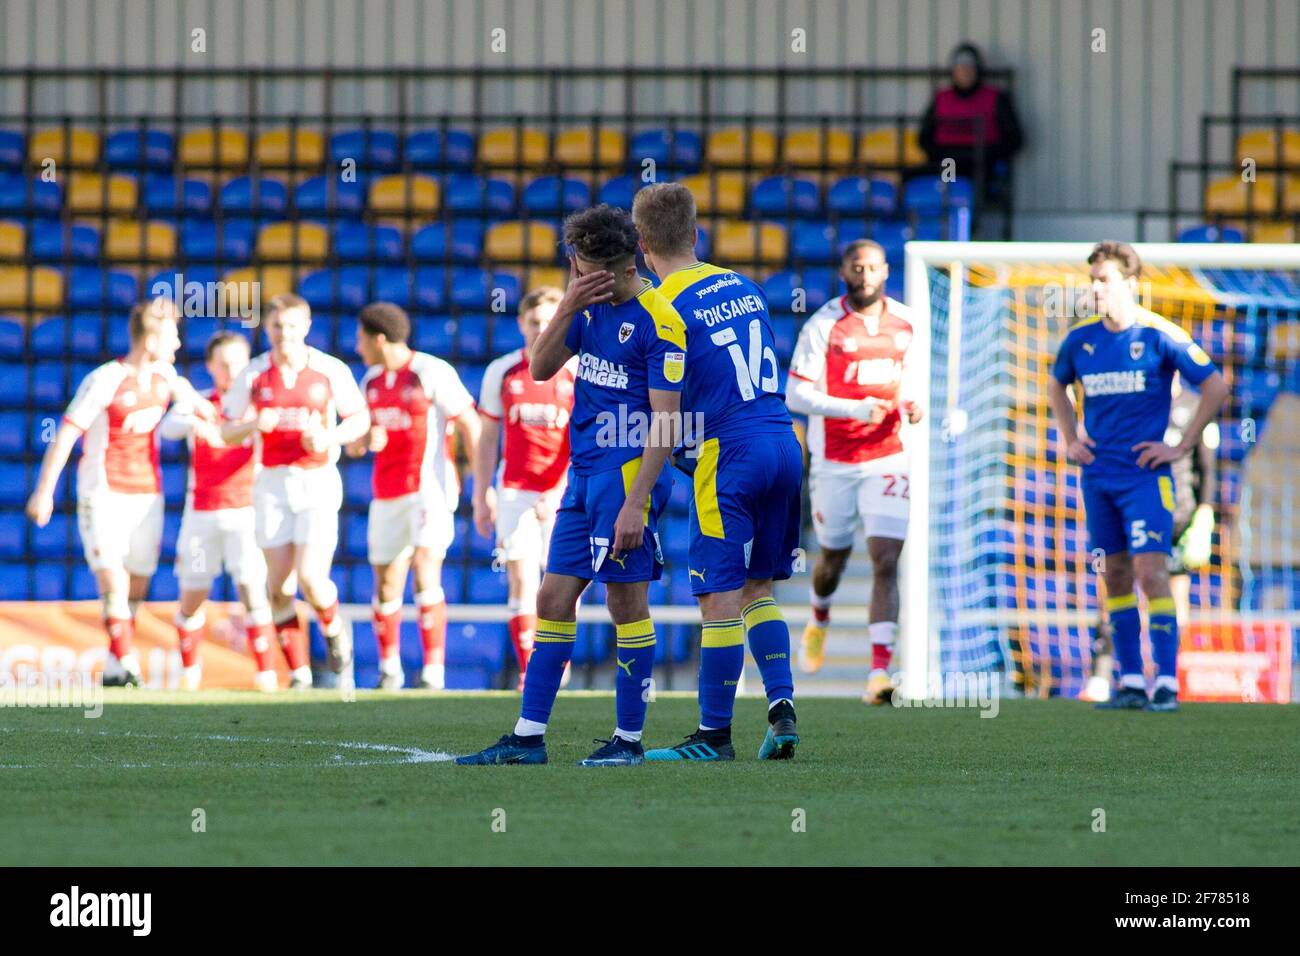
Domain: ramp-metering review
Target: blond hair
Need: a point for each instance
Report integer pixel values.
(665, 218)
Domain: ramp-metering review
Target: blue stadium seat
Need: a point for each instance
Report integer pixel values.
(422, 288)
(812, 241)
(57, 539)
(89, 287)
(782, 287)
(345, 339)
(231, 242)
(555, 195)
(164, 283)
(13, 534)
(435, 334)
(119, 334)
(164, 587)
(13, 385)
(471, 336)
(321, 194)
(1211, 234)
(354, 534)
(592, 645)
(357, 242)
(11, 339)
(506, 336)
(471, 376)
(336, 288)
(620, 191)
(678, 151)
(263, 195)
(134, 149)
(892, 234)
(927, 195)
(13, 153)
(860, 195)
(14, 481)
(82, 335)
(788, 195)
(46, 198)
(456, 240)
(356, 482)
(486, 586)
(51, 581)
(373, 150)
(321, 334)
(173, 482)
(84, 587)
(13, 433)
(170, 196)
(171, 531)
(14, 582)
(465, 194)
(785, 332)
(432, 149)
(470, 288)
(75, 243)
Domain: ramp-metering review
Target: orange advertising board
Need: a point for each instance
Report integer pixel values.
(1236, 662)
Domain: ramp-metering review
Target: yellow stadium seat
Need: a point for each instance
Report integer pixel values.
(880, 147)
(72, 147)
(290, 149)
(534, 277)
(40, 288)
(750, 242)
(398, 193)
(581, 149)
(92, 192)
(1291, 193)
(735, 146)
(1277, 231)
(720, 194)
(816, 148)
(210, 149)
(521, 241)
(1261, 146)
(509, 146)
(1232, 194)
(13, 240)
(272, 280)
(303, 241)
(129, 240)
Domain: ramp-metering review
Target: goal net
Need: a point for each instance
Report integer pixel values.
(998, 572)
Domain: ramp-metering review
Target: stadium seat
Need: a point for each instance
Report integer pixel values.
(195, 334)
(783, 288)
(13, 432)
(73, 147)
(888, 148)
(164, 283)
(13, 534)
(139, 150)
(751, 242)
(205, 241)
(457, 240)
(466, 194)
(13, 385)
(89, 287)
(781, 195)
(812, 242)
(56, 539)
(14, 582)
(37, 288)
(275, 280)
(620, 191)
(518, 241)
(1211, 234)
(344, 288)
(586, 149)
(289, 149)
(736, 147)
(421, 288)
(59, 242)
(13, 240)
(223, 148)
(15, 483)
(472, 336)
(262, 195)
(79, 336)
(1277, 231)
(330, 193)
(506, 336)
(357, 242)
(129, 240)
(1231, 195)
(432, 149)
(20, 195)
(486, 586)
(554, 196)
(299, 242)
(721, 194)
(859, 195)
(892, 234)
(11, 149)
(356, 482)
(354, 525)
(511, 147)
(434, 334)
(533, 277)
(94, 193)
(818, 148)
(12, 338)
(927, 195)
(372, 150)
(674, 151)
(1261, 145)
(171, 195)
(415, 193)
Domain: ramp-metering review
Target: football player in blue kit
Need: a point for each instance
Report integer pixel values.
(747, 471)
(630, 346)
(1124, 359)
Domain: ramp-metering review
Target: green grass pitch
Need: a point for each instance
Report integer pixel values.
(310, 779)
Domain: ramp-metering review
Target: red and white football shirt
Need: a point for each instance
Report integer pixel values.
(221, 476)
(414, 405)
(850, 356)
(535, 419)
(119, 408)
(323, 390)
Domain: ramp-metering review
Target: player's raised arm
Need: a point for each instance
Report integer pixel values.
(555, 345)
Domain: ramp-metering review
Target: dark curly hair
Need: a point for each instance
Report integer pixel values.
(603, 234)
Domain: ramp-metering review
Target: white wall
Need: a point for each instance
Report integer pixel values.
(1101, 127)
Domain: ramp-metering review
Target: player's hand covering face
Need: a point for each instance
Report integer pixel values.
(593, 287)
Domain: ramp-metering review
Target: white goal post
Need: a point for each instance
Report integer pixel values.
(920, 638)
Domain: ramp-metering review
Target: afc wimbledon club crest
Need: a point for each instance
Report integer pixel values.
(625, 332)
(1135, 350)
